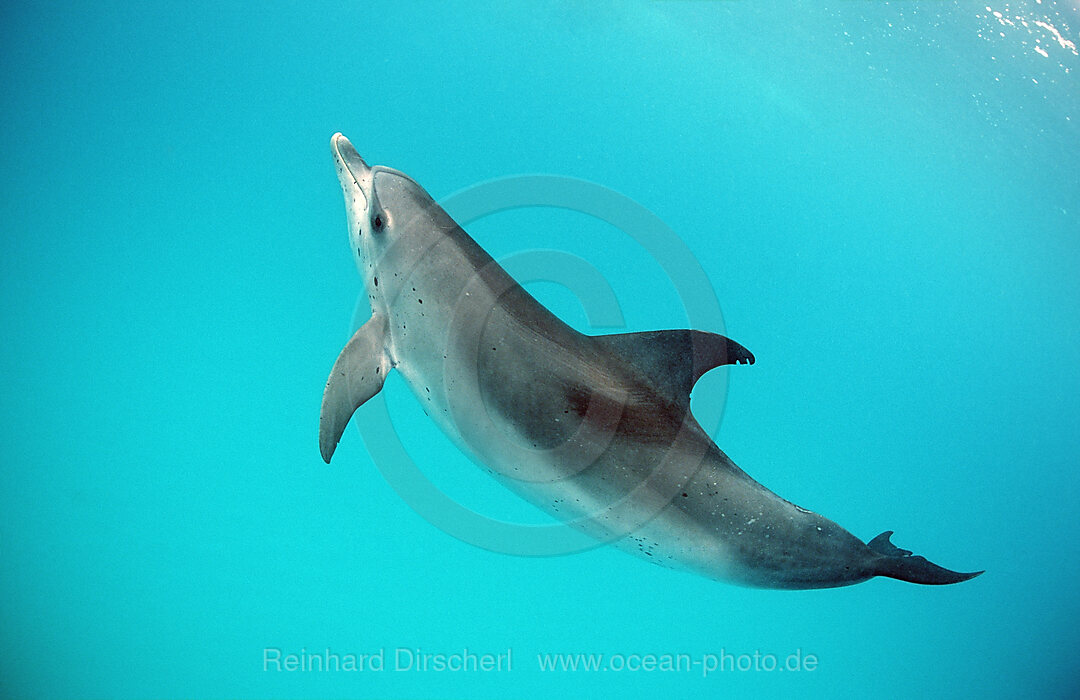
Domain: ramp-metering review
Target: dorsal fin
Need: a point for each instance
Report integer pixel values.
(674, 360)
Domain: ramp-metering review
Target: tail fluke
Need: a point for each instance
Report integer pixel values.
(901, 564)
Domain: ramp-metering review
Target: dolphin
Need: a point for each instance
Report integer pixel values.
(595, 430)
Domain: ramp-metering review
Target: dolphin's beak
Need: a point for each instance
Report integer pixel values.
(347, 157)
(353, 173)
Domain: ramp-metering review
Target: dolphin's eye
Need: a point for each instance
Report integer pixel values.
(378, 222)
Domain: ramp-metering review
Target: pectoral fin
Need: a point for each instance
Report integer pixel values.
(674, 360)
(358, 374)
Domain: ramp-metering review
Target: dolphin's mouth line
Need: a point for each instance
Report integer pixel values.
(345, 152)
(349, 159)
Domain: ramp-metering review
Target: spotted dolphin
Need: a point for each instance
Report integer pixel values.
(595, 430)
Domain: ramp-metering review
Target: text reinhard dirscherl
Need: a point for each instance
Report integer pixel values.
(399, 659)
(419, 660)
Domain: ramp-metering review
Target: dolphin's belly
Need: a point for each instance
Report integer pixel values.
(692, 510)
(574, 439)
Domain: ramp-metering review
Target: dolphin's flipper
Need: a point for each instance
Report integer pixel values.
(358, 374)
(900, 564)
(674, 360)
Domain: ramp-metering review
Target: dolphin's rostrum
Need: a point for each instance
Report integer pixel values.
(595, 430)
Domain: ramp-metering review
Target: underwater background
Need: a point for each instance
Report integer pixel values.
(885, 197)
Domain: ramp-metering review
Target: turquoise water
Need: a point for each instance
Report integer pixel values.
(884, 197)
